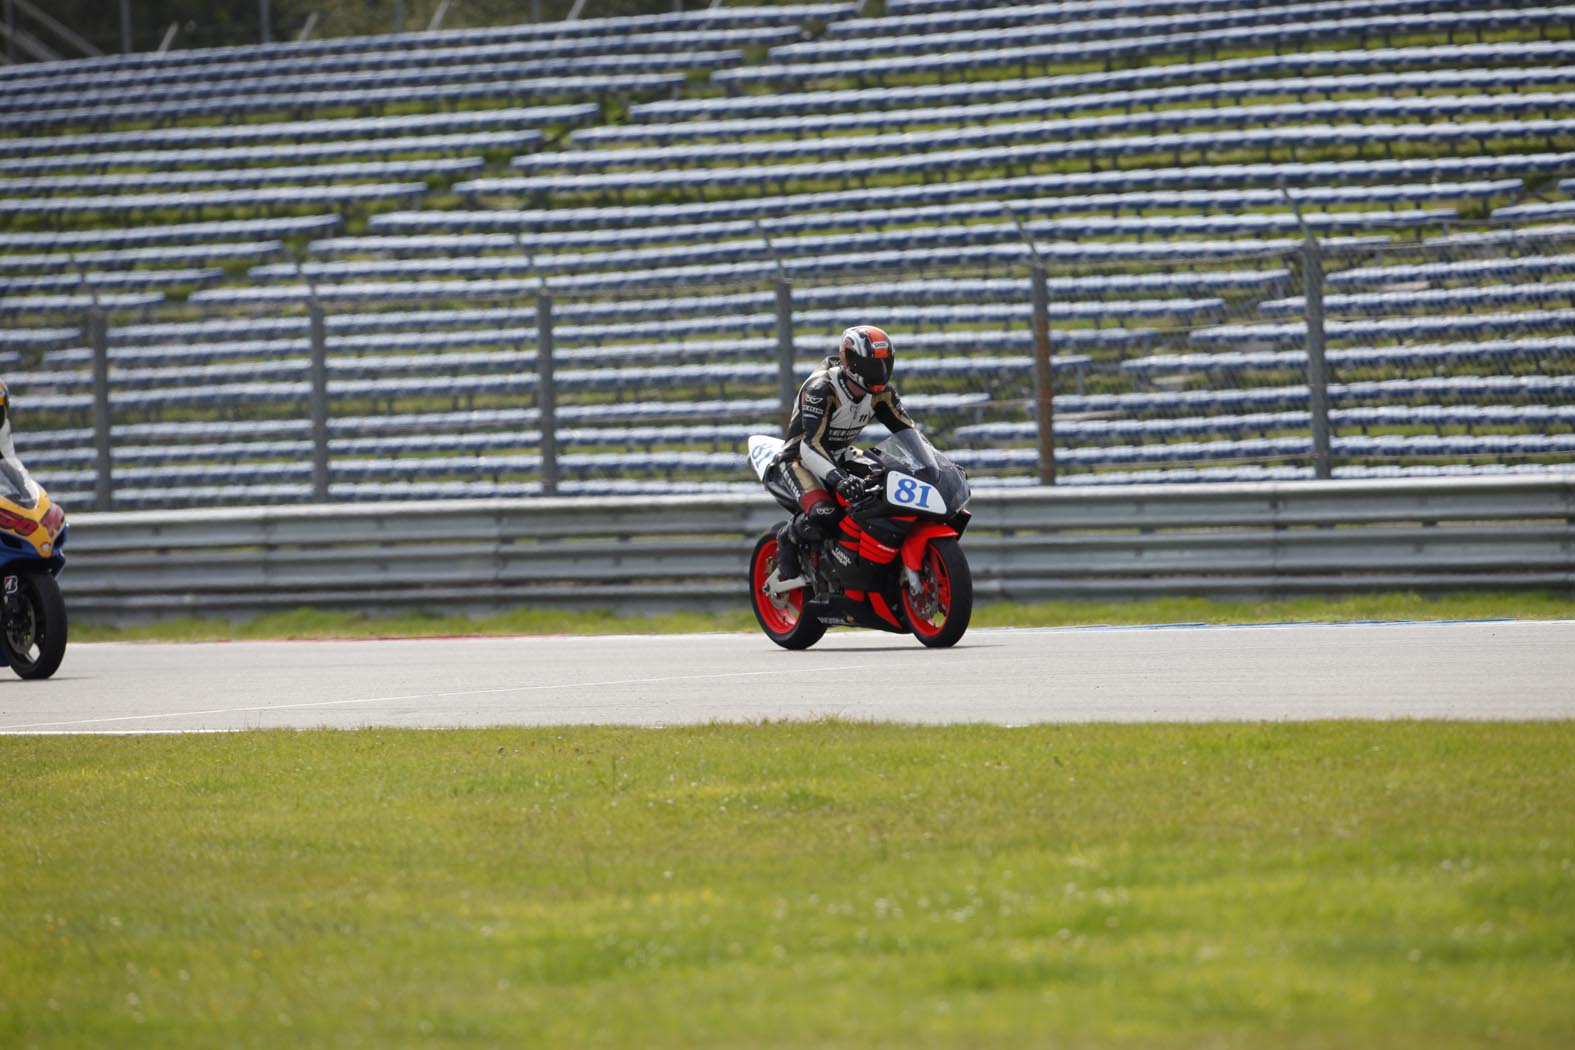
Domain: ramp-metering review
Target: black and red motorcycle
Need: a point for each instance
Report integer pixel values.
(894, 563)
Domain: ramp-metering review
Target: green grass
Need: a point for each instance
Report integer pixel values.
(1397, 885)
(317, 623)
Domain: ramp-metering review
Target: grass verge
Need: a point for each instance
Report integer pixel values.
(315, 623)
(1405, 885)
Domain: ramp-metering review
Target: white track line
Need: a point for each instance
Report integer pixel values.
(28, 726)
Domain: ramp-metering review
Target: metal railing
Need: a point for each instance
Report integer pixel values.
(1248, 382)
(663, 554)
(535, 297)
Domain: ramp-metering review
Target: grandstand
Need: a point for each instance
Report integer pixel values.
(591, 256)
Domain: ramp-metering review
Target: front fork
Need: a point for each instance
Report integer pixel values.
(16, 616)
(12, 607)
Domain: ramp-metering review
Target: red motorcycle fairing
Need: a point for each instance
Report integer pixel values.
(923, 532)
(883, 610)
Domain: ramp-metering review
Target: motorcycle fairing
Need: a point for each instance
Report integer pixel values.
(923, 532)
(837, 610)
(909, 493)
(31, 525)
(762, 450)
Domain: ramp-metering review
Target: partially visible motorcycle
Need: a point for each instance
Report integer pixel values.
(895, 563)
(32, 534)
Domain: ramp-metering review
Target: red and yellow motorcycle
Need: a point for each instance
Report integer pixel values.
(32, 534)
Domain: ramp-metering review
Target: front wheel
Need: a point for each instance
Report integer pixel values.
(940, 609)
(781, 616)
(33, 634)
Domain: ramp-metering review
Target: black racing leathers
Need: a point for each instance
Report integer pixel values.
(827, 419)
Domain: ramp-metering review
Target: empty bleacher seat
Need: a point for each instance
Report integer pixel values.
(1112, 135)
(1230, 24)
(1486, 325)
(191, 233)
(214, 157)
(306, 175)
(187, 255)
(1507, 267)
(14, 339)
(954, 201)
(1537, 211)
(995, 122)
(1500, 62)
(62, 303)
(445, 123)
(925, 16)
(22, 284)
(250, 88)
(1202, 176)
(950, 53)
(1401, 355)
(1451, 299)
(195, 200)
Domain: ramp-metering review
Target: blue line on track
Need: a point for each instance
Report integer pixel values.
(1280, 623)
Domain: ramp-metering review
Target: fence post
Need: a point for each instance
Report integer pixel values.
(1044, 364)
(103, 481)
(787, 355)
(1044, 377)
(546, 394)
(1317, 359)
(317, 375)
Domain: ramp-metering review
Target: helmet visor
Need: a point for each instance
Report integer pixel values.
(872, 372)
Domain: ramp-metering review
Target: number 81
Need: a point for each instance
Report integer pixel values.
(910, 491)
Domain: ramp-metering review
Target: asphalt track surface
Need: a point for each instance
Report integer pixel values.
(1476, 670)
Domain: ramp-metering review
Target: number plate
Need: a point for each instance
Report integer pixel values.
(903, 490)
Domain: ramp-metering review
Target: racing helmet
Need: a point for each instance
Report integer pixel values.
(867, 356)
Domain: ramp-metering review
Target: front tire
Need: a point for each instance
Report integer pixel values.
(33, 634)
(939, 612)
(781, 618)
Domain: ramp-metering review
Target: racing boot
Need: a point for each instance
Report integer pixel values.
(788, 567)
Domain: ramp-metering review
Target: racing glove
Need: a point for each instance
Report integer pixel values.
(846, 485)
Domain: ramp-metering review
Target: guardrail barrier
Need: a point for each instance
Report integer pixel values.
(658, 554)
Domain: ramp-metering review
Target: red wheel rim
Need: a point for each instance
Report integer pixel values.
(929, 609)
(780, 615)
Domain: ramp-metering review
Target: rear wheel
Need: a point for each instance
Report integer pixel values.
(940, 609)
(780, 616)
(33, 634)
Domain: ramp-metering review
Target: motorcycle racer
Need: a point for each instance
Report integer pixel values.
(839, 399)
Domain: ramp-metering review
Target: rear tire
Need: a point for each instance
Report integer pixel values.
(940, 612)
(781, 618)
(33, 635)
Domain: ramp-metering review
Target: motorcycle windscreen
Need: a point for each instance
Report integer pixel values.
(910, 451)
(16, 484)
(921, 479)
